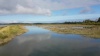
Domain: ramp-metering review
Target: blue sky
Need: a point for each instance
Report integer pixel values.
(31, 11)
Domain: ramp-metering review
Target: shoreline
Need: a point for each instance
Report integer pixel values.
(92, 31)
(8, 36)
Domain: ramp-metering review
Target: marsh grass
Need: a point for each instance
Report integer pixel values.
(86, 30)
(9, 32)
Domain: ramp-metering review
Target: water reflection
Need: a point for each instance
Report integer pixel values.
(41, 42)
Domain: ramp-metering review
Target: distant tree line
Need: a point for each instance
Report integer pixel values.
(98, 19)
(87, 21)
(91, 22)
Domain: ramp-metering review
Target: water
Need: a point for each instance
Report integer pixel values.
(42, 42)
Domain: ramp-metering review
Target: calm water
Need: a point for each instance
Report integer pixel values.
(42, 42)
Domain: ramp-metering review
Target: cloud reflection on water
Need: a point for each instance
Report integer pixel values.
(46, 43)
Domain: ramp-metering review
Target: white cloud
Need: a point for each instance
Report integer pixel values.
(62, 4)
(36, 10)
(43, 7)
(26, 10)
(21, 9)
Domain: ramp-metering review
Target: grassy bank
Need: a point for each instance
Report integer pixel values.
(9, 32)
(86, 30)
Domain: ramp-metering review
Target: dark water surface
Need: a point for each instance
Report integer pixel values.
(42, 42)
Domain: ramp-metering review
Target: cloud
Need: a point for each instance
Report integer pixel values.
(85, 10)
(18, 7)
(4, 12)
(41, 7)
(37, 10)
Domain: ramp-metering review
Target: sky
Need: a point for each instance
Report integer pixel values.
(48, 11)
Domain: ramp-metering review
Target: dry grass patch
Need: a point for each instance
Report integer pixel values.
(9, 32)
(86, 30)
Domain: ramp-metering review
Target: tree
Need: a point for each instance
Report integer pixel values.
(88, 21)
(98, 19)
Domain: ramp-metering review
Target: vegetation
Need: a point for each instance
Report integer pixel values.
(66, 27)
(9, 32)
(98, 20)
(86, 22)
(86, 30)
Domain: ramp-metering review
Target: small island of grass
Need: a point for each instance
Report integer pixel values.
(7, 33)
